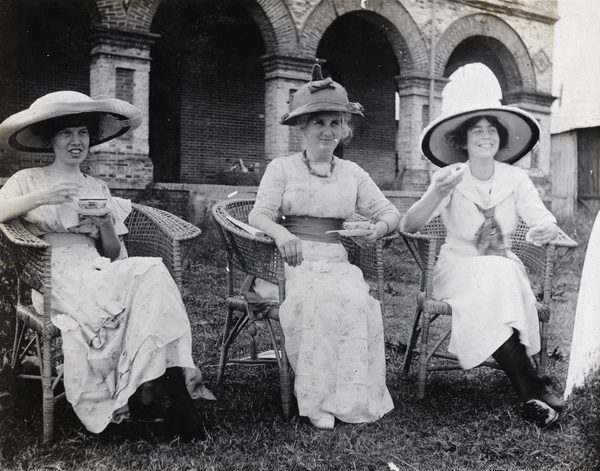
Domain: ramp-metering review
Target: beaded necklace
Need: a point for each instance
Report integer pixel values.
(312, 171)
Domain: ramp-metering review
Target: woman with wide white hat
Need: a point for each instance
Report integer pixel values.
(124, 328)
(333, 327)
(479, 197)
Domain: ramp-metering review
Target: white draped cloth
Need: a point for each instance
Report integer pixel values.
(585, 347)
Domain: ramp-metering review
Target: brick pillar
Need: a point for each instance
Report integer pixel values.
(283, 76)
(414, 116)
(120, 68)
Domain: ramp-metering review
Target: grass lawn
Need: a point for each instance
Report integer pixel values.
(468, 420)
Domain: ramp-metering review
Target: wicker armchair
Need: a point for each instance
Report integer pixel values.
(258, 257)
(424, 245)
(152, 232)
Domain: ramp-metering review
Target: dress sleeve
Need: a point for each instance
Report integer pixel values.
(12, 188)
(530, 206)
(371, 202)
(269, 198)
(120, 207)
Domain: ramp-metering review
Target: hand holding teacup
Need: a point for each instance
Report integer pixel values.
(62, 192)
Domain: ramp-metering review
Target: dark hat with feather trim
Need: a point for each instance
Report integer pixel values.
(319, 95)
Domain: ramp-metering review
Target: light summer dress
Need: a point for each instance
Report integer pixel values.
(333, 327)
(490, 295)
(122, 323)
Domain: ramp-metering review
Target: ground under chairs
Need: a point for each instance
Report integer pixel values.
(152, 232)
(256, 256)
(424, 246)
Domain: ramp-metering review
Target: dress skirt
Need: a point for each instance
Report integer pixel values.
(334, 337)
(122, 323)
(490, 296)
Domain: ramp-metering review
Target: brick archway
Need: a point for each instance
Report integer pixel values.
(390, 17)
(505, 53)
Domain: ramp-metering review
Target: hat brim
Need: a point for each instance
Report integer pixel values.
(316, 107)
(523, 134)
(116, 117)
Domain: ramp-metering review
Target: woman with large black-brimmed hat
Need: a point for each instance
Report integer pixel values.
(333, 327)
(124, 328)
(480, 196)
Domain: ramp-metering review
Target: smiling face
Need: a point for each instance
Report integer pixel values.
(323, 132)
(483, 140)
(71, 145)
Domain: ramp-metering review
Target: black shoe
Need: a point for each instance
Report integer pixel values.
(540, 413)
(552, 400)
(185, 422)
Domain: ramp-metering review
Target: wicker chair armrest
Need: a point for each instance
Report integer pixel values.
(157, 233)
(26, 253)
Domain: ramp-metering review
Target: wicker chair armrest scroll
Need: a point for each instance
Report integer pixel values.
(29, 255)
(157, 233)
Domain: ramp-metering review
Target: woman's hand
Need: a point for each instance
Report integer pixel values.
(368, 239)
(290, 248)
(542, 233)
(60, 193)
(445, 179)
(103, 222)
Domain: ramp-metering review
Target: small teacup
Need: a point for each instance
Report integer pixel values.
(92, 203)
(354, 225)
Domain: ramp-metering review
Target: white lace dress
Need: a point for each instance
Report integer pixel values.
(333, 327)
(122, 323)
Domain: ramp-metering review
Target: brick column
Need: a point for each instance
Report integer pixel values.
(120, 68)
(414, 116)
(538, 160)
(283, 76)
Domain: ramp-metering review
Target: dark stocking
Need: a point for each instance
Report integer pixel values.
(513, 359)
(182, 418)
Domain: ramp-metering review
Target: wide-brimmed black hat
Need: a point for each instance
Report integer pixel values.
(523, 134)
(115, 117)
(319, 95)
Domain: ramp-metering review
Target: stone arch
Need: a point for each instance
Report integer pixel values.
(398, 27)
(490, 40)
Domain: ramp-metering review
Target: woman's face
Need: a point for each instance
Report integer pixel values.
(483, 140)
(71, 145)
(323, 132)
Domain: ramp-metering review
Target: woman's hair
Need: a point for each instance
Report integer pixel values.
(457, 139)
(47, 129)
(345, 123)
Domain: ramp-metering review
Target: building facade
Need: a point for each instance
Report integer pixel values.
(213, 77)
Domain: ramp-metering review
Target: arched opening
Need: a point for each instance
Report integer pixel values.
(471, 85)
(359, 56)
(206, 90)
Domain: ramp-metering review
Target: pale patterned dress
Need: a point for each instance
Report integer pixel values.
(122, 323)
(333, 327)
(490, 295)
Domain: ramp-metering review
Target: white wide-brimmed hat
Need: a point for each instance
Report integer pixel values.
(115, 117)
(523, 134)
(319, 95)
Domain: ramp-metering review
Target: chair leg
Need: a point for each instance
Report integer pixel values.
(229, 335)
(287, 384)
(426, 318)
(543, 348)
(47, 390)
(412, 342)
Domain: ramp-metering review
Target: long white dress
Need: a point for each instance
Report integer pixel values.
(122, 323)
(332, 326)
(490, 295)
(584, 358)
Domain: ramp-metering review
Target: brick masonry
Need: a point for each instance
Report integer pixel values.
(213, 77)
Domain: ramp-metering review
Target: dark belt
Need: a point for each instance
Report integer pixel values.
(312, 228)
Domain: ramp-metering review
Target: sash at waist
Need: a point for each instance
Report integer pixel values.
(312, 228)
(61, 239)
